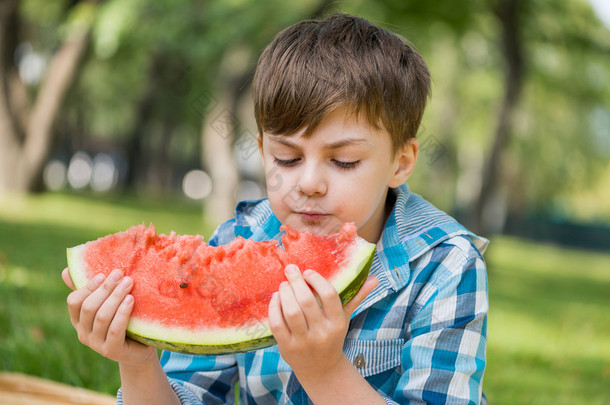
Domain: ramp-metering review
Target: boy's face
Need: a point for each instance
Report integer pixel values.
(341, 173)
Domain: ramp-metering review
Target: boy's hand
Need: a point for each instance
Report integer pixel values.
(309, 334)
(100, 312)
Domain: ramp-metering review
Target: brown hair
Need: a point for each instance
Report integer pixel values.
(316, 66)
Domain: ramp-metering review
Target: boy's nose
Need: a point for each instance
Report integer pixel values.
(312, 181)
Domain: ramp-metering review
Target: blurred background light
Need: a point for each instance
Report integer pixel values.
(104, 173)
(31, 65)
(54, 175)
(79, 170)
(602, 9)
(197, 184)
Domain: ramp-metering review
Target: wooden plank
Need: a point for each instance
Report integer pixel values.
(16, 388)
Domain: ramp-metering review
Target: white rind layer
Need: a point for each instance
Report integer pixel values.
(211, 337)
(76, 265)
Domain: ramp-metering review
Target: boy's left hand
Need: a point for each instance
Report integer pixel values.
(309, 334)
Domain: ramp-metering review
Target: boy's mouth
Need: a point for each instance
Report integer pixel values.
(312, 216)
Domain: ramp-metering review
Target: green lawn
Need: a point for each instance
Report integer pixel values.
(549, 324)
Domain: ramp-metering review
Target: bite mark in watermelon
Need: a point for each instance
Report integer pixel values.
(190, 297)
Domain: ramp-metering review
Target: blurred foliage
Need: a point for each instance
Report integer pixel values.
(561, 138)
(169, 53)
(190, 37)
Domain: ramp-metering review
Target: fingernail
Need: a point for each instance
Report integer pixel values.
(125, 283)
(291, 269)
(116, 275)
(128, 299)
(97, 280)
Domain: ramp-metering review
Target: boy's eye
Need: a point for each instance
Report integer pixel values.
(292, 162)
(285, 163)
(346, 165)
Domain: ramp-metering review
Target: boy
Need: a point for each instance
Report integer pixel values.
(338, 103)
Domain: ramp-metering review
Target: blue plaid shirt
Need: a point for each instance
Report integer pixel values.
(419, 336)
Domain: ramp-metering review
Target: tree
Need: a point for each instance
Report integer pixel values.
(508, 14)
(26, 132)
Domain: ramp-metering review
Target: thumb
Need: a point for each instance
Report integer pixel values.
(65, 275)
(369, 284)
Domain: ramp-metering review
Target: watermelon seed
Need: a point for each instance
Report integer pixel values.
(183, 285)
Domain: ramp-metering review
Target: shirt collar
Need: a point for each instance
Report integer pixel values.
(413, 228)
(255, 220)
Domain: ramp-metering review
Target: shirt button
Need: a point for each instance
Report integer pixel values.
(359, 361)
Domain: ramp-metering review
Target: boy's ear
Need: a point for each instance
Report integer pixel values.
(404, 163)
(259, 140)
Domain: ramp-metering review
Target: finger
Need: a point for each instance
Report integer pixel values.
(276, 319)
(95, 300)
(369, 284)
(329, 298)
(75, 299)
(291, 311)
(108, 310)
(304, 296)
(115, 336)
(65, 275)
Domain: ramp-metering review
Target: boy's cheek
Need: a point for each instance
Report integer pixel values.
(274, 180)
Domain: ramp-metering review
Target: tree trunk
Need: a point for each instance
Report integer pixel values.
(218, 155)
(26, 137)
(220, 125)
(490, 201)
(10, 131)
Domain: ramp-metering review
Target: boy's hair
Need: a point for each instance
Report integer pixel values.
(316, 66)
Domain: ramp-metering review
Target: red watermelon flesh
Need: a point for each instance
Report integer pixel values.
(196, 298)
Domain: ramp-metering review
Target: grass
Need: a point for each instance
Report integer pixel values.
(549, 331)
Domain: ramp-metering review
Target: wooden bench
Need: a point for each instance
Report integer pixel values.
(21, 389)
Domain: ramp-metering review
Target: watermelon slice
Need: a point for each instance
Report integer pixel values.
(190, 297)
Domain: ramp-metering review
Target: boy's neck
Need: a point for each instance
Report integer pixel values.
(390, 200)
(372, 231)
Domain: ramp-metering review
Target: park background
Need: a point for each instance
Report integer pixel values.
(119, 112)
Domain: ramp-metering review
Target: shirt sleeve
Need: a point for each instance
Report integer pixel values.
(199, 380)
(443, 358)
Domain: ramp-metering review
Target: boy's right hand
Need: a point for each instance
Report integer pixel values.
(100, 312)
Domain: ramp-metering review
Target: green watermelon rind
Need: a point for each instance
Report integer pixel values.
(256, 335)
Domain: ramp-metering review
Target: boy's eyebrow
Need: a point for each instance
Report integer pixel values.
(335, 145)
(348, 141)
